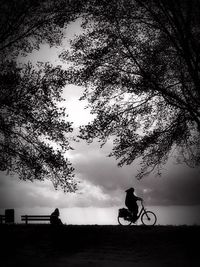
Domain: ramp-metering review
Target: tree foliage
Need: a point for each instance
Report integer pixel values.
(139, 61)
(33, 129)
(25, 24)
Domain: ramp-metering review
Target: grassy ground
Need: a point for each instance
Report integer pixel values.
(71, 245)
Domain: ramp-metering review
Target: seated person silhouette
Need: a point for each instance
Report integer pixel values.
(54, 218)
(131, 202)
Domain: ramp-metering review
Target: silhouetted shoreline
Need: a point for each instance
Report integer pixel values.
(99, 245)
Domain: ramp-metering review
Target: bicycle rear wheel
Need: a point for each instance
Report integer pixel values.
(149, 218)
(123, 221)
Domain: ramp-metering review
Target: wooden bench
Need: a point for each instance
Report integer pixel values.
(28, 218)
(2, 218)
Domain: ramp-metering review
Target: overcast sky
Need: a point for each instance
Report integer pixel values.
(102, 183)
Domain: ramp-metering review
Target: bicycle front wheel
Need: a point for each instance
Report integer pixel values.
(149, 218)
(123, 221)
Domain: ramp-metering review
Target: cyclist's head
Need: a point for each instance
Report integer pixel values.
(130, 190)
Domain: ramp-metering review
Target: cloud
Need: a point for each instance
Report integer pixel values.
(93, 164)
(76, 109)
(19, 194)
(178, 185)
(103, 184)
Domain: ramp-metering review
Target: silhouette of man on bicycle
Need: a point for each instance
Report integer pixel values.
(131, 202)
(130, 216)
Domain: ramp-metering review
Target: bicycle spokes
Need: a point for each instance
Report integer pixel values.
(124, 220)
(148, 218)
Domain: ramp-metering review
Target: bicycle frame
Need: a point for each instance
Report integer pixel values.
(141, 210)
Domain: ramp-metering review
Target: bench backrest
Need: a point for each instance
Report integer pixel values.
(27, 218)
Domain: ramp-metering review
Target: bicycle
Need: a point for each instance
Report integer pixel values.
(147, 217)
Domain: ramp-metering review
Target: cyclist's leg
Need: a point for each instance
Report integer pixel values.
(134, 212)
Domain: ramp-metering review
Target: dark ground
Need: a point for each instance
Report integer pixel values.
(71, 245)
